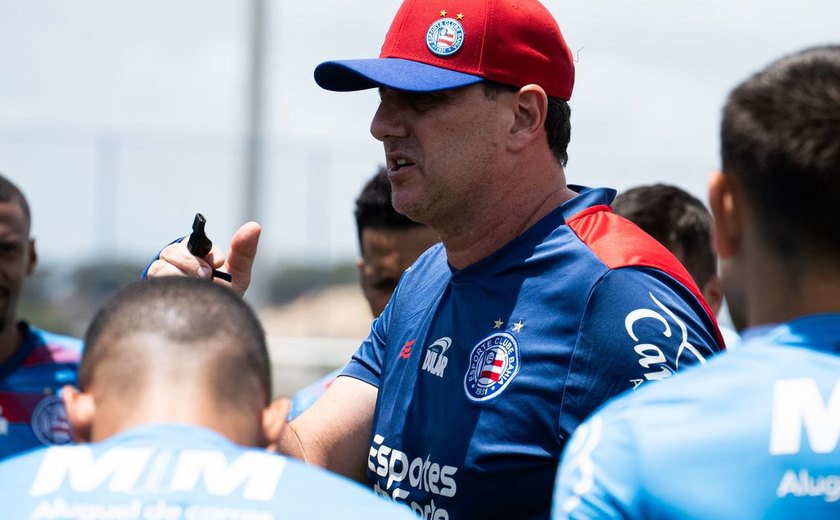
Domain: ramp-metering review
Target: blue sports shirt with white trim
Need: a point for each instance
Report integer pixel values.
(484, 372)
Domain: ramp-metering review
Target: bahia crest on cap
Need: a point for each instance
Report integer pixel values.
(455, 43)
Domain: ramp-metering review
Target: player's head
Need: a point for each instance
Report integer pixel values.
(680, 222)
(434, 48)
(389, 242)
(17, 249)
(776, 197)
(173, 349)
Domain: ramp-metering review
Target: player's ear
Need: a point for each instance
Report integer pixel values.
(81, 409)
(725, 205)
(32, 261)
(360, 265)
(713, 293)
(275, 418)
(529, 116)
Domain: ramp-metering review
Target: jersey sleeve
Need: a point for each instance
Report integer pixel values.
(639, 326)
(597, 476)
(368, 360)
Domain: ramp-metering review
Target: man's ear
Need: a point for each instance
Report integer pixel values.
(81, 409)
(32, 261)
(713, 293)
(275, 418)
(360, 265)
(529, 116)
(725, 204)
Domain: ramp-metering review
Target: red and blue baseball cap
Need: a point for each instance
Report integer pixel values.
(450, 44)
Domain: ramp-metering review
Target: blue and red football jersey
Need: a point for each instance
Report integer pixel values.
(31, 411)
(179, 472)
(484, 372)
(752, 435)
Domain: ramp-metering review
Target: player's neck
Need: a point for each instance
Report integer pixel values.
(11, 338)
(778, 296)
(497, 226)
(187, 405)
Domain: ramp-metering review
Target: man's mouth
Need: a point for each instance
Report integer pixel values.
(398, 160)
(400, 163)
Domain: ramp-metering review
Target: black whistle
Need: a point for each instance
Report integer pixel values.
(199, 245)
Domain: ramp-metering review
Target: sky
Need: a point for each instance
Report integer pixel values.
(120, 119)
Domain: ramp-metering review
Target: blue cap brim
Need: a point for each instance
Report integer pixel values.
(393, 73)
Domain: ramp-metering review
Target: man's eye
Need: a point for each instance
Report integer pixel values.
(8, 248)
(383, 284)
(425, 101)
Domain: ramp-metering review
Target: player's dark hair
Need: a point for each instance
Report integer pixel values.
(558, 122)
(9, 192)
(675, 218)
(779, 139)
(174, 324)
(374, 208)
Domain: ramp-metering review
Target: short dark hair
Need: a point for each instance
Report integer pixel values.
(558, 122)
(203, 327)
(779, 139)
(374, 208)
(9, 192)
(673, 217)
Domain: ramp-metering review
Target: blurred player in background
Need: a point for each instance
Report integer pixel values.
(389, 241)
(174, 393)
(34, 364)
(755, 433)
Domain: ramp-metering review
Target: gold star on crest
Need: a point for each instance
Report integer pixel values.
(460, 16)
(498, 324)
(442, 13)
(518, 326)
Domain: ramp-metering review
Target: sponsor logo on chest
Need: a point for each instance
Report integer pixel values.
(435, 361)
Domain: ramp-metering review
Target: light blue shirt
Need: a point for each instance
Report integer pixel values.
(753, 434)
(178, 472)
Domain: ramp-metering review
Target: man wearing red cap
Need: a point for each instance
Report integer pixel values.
(538, 305)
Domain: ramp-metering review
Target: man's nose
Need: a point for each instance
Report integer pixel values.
(389, 120)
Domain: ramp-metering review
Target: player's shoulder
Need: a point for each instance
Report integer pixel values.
(618, 242)
(701, 389)
(347, 499)
(14, 469)
(433, 260)
(425, 277)
(54, 342)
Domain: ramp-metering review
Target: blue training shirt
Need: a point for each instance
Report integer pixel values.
(178, 472)
(483, 372)
(31, 411)
(752, 435)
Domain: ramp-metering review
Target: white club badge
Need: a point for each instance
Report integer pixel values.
(445, 36)
(493, 363)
